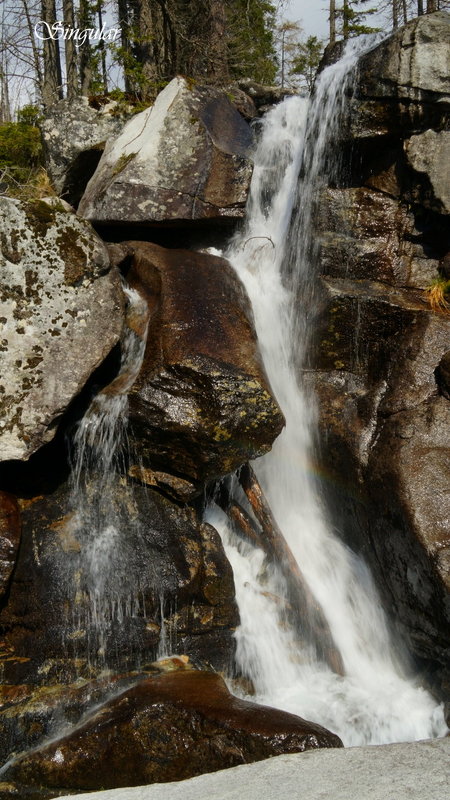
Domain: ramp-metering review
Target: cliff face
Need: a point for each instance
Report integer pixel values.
(382, 352)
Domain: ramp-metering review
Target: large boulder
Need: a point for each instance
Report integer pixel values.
(74, 135)
(404, 83)
(162, 729)
(201, 405)
(184, 158)
(60, 315)
(412, 64)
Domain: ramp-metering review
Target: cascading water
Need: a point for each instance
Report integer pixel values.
(98, 586)
(274, 256)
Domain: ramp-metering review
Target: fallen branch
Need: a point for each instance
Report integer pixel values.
(275, 546)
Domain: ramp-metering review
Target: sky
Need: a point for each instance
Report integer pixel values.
(313, 16)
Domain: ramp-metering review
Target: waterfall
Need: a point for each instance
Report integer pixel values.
(101, 593)
(374, 702)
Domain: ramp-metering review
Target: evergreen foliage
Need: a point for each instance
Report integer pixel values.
(20, 146)
(353, 14)
(252, 40)
(306, 60)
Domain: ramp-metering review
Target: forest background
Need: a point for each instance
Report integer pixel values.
(128, 50)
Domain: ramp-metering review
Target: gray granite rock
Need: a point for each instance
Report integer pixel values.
(184, 158)
(60, 315)
(74, 136)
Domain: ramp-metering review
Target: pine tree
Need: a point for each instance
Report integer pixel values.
(353, 17)
(307, 59)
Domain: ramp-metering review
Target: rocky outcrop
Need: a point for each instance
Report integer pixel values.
(184, 158)
(60, 315)
(74, 135)
(201, 405)
(167, 579)
(263, 97)
(165, 728)
(381, 350)
(427, 153)
(403, 84)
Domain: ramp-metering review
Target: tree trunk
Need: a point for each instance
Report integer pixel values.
(345, 20)
(102, 48)
(218, 70)
(5, 109)
(36, 57)
(431, 6)
(52, 82)
(419, 8)
(146, 49)
(85, 21)
(70, 51)
(124, 25)
(395, 14)
(332, 21)
(405, 12)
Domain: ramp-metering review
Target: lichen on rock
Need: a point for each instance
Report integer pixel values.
(60, 315)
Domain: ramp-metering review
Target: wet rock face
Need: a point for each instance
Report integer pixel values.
(166, 581)
(9, 537)
(201, 405)
(74, 136)
(166, 728)
(60, 315)
(382, 352)
(184, 158)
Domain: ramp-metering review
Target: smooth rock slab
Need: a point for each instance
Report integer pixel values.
(410, 771)
(429, 152)
(60, 315)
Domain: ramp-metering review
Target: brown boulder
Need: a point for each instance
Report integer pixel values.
(201, 405)
(163, 729)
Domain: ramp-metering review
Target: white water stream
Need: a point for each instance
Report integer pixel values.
(99, 587)
(375, 702)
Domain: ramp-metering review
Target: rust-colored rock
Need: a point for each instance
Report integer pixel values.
(201, 405)
(167, 728)
(9, 537)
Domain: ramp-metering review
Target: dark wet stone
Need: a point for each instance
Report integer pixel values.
(163, 729)
(201, 405)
